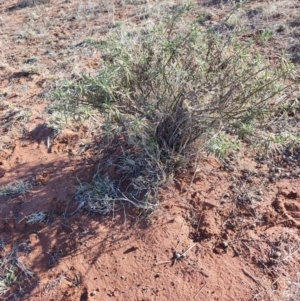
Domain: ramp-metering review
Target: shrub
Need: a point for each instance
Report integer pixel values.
(181, 81)
(171, 86)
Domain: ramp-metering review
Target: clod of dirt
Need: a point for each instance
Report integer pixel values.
(289, 210)
(209, 224)
(64, 143)
(291, 195)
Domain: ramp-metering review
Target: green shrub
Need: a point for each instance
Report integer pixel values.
(169, 87)
(181, 81)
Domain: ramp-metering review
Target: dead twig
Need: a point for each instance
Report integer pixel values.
(162, 262)
(253, 278)
(202, 287)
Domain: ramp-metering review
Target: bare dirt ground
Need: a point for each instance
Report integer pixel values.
(238, 219)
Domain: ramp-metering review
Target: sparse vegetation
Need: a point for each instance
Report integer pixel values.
(35, 218)
(16, 188)
(13, 272)
(187, 114)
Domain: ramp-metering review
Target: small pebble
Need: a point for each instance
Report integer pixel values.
(259, 192)
(277, 170)
(157, 275)
(276, 254)
(226, 195)
(224, 244)
(252, 226)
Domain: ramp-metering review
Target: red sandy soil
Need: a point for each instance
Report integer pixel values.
(241, 216)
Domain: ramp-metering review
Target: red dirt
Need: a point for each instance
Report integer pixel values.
(242, 217)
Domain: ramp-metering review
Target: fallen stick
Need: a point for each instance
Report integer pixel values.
(162, 262)
(202, 287)
(253, 278)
